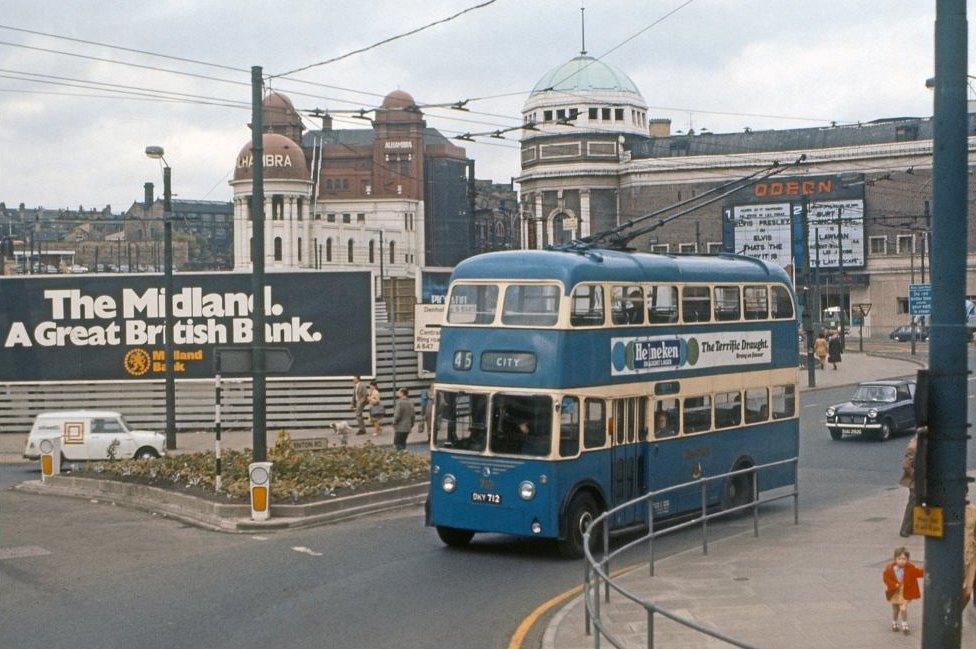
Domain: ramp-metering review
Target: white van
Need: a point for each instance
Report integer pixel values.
(93, 435)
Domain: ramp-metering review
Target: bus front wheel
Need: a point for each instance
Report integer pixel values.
(454, 537)
(582, 509)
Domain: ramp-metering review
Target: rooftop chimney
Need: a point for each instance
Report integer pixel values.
(148, 200)
(326, 122)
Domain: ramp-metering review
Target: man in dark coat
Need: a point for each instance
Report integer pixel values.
(833, 349)
(908, 480)
(403, 419)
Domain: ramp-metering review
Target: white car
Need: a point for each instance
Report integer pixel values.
(93, 435)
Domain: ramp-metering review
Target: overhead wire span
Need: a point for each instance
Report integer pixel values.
(384, 41)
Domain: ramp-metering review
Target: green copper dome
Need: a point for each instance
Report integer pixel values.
(585, 73)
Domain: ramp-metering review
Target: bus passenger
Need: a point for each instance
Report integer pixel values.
(529, 443)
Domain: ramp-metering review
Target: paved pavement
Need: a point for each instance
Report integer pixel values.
(814, 585)
(854, 369)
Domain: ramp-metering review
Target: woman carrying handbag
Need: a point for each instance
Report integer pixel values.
(375, 408)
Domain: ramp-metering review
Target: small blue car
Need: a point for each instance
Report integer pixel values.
(877, 410)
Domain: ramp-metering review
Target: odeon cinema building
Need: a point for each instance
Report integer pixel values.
(597, 158)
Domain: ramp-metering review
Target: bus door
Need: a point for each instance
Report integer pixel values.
(627, 476)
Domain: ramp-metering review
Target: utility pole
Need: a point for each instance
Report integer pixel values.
(947, 405)
(912, 281)
(841, 284)
(168, 322)
(258, 386)
(807, 316)
(818, 303)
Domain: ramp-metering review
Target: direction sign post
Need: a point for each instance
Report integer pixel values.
(863, 308)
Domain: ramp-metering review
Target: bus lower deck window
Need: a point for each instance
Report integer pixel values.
(595, 424)
(757, 405)
(783, 401)
(665, 418)
(728, 409)
(696, 304)
(521, 425)
(697, 414)
(569, 427)
(460, 421)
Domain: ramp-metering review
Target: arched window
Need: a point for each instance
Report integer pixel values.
(562, 228)
(372, 251)
(392, 252)
(349, 251)
(298, 214)
(328, 249)
(277, 248)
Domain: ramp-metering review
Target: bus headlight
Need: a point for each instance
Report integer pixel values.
(831, 412)
(872, 413)
(526, 490)
(449, 484)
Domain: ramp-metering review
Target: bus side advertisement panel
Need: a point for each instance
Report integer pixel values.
(631, 355)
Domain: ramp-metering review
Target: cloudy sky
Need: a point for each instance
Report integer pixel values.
(704, 66)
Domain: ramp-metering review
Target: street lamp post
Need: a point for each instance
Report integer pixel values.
(156, 153)
(386, 303)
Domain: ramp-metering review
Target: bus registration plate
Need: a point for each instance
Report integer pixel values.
(491, 499)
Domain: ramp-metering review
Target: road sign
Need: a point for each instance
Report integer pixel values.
(920, 299)
(237, 360)
(864, 308)
(927, 521)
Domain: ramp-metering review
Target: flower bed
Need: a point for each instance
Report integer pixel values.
(296, 475)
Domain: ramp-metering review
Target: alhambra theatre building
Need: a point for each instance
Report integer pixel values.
(867, 186)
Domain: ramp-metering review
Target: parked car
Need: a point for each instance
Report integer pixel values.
(904, 333)
(877, 410)
(93, 435)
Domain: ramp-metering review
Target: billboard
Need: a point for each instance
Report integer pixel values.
(764, 220)
(111, 327)
(433, 291)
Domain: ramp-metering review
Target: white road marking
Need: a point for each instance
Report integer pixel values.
(23, 551)
(308, 551)
(260, 538)
(813, 405)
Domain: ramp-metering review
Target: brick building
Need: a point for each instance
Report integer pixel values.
(867, 186)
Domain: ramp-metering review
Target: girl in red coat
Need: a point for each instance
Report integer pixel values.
(901, 586)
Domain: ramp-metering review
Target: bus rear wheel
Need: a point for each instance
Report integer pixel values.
(738, 490)
(454, 537)
(582, 509)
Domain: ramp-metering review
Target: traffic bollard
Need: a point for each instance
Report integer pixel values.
(50, 457)
(260, 477)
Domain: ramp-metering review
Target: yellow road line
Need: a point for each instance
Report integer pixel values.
(519, 636)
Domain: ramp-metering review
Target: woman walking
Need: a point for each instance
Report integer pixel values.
(375, 408)
(833, 349)
(820, 350)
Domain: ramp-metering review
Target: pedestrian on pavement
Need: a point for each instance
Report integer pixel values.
(833, 349)
(969, 555)
(375, 408)
(403, 419)
(901, 586)
(360, 394)
(425, 407)
(908, 480)
(820, 349)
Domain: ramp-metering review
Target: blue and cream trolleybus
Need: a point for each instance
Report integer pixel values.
(569, 382)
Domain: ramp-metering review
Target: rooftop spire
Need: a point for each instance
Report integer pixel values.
(583, 28)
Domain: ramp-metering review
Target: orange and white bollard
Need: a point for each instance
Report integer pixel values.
(50, 448)
(259, 474)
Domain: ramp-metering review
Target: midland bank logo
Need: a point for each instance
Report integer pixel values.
(636, 355)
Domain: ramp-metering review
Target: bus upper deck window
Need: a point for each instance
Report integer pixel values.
(531, 305)
(662, 304)
(595, 424)
(665, 418)
(696, 304)
(587, 308)
(727, 303)
(782, 304)
(756, 299)
(569, 427)
(472, 304)
(628, 305)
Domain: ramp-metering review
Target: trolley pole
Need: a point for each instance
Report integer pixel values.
(258, 387)
(946, 466)
(807, 316)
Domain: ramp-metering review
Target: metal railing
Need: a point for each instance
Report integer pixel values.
(599, 571)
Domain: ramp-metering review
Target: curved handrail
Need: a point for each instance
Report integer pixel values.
(601, 568)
